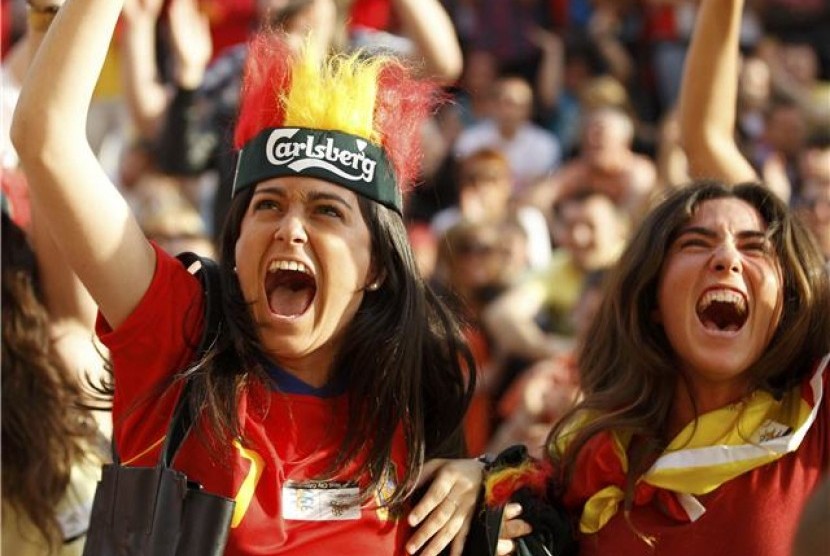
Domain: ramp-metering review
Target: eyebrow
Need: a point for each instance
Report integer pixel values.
(280, 191)
(709, 233)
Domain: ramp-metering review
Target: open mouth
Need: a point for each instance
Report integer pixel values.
(290, 287)
(722, 310)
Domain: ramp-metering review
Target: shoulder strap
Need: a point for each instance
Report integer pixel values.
(182, 421)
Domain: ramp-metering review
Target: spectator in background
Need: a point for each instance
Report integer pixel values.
(775, 155)
(476, 262)
(548, 388)
(167, 216)
(503, 27)
(51, 447)
(532, 151)
(485, 184)
(605, 163)
(533, 319)
(475, 92)
(568, 65)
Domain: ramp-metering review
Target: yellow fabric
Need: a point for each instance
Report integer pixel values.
(559, 285)
(718, 447)
(21, 538)
(109, 85)
(600, 508)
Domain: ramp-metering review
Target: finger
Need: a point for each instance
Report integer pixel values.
(461, 537)
(444, 535)
(515, 528)
(511, 511)
(505, 547)
(437, 493)
(438, 519)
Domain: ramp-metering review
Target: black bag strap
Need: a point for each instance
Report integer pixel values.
(182, 419)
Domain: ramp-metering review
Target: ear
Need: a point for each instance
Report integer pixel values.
(376, 282)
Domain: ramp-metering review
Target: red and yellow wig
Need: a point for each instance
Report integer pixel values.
(345, 101)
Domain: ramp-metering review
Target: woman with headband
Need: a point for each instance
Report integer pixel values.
(338, 380)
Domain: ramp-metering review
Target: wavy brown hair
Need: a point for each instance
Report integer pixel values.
(44, 430)
(629, 369)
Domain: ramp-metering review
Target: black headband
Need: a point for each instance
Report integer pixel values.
(334, 156)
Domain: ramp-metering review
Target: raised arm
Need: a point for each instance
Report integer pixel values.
(709, 92)
(146, 95)
(427, 23)
(86, 215)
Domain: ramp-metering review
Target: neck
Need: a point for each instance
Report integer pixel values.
(695, 397)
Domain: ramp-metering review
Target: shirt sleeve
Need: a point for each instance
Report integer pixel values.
(147, 349)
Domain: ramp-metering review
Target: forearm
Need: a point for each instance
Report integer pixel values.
(708, 95)
(427, 23)
(146, 96)
(71, 192)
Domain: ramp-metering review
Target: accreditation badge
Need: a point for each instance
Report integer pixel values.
(320, 501)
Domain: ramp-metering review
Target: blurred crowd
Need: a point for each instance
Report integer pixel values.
(558, 131)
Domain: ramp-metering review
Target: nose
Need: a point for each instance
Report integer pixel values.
(291, 229)
(727, 258)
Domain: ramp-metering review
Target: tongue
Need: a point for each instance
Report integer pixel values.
(289, 302)
(711, 325)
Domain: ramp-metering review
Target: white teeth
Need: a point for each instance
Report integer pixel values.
(288, 265)
(722, 296)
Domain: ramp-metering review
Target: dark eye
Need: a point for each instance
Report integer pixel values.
(329, 210)
(266, 204)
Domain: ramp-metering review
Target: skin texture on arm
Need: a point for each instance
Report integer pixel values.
(85, 212)
(427, 23)
(510, 319)
(709, 93)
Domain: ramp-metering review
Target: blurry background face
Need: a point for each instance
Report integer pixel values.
(606, 130)
(590, 229)
(786, 130)
(485, 188)
(800, 61)
(514, 100)
(480, 72)
(754, 87)
(814, 209)
(475, 256)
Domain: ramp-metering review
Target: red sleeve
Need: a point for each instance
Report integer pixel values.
(154, 342)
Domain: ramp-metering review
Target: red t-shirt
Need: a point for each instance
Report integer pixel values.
(754, 514)
(291, 442)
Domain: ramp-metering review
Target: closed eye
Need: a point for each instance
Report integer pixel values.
(694, 242)
(760, 246)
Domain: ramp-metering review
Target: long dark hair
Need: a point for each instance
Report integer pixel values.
(44, 431)
(628, 370)
(403, 357)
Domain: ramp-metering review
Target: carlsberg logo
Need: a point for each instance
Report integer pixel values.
(300, 155)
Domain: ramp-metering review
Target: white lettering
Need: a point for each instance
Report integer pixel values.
(308, 154)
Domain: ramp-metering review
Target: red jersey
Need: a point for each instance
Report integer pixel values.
(292, 431)
(755, 513)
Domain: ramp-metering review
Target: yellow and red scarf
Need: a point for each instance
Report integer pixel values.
(718, 447)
